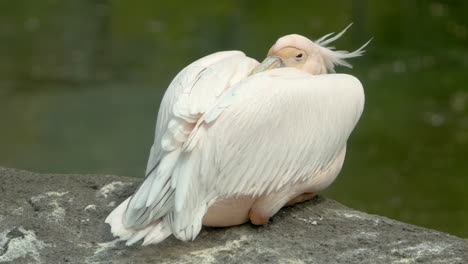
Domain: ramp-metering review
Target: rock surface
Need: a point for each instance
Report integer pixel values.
(52, 218)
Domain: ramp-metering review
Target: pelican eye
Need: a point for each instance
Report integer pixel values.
(299, 56)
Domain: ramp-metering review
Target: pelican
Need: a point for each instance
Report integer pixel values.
(237, 140)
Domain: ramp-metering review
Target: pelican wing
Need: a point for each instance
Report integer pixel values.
(192, 92)
(270, 130)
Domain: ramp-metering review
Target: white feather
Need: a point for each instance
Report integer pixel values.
(323, 41)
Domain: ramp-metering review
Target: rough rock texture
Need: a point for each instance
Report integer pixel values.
(51, 218)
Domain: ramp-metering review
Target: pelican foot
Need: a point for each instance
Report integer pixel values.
(300, 198)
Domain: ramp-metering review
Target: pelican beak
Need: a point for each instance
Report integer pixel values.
(269, 63)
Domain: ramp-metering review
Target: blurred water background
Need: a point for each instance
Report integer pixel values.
(81, 82)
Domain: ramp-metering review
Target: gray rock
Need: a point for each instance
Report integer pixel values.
(52, 218)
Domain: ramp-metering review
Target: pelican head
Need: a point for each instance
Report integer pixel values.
(313, 57)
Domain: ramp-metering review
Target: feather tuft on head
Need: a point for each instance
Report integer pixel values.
(334, 57)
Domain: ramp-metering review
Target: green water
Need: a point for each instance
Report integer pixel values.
(81, 81)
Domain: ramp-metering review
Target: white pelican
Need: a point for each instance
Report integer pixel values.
(237, 140)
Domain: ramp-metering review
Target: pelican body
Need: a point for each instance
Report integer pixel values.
(236, 140)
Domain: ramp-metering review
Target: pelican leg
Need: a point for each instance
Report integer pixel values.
(257, 217)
